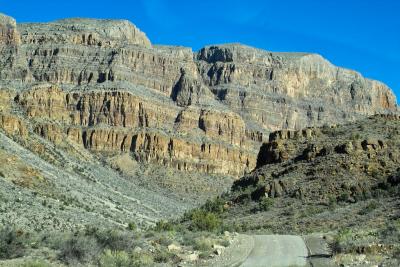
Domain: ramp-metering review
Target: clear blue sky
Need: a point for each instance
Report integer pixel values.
(359, 34)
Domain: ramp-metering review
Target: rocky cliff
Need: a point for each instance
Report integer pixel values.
(321, 179)
(103, 85)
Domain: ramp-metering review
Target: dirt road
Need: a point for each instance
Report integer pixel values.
(277, 251)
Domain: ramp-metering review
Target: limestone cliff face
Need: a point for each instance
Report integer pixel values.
(289, 90)
(103, 85)
(8, 32)
(113, 122)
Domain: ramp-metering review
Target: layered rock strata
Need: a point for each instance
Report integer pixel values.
(103, 85)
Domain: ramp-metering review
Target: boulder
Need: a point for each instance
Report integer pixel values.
(174, 247)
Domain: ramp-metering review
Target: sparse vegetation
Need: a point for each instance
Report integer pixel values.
(340, 190)
(372, 205)
(163, 226)
(265, 204)
(12, 243)
(111, 258)
(79, 249)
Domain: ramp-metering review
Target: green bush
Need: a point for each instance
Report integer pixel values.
(162, 255)
(339, 242)
(355, 136)
(344, 197)
(265, 204)
(140, 259)
(203, 244)
(332, 202)
(204, 221)
(215, 206)
(162, 226)
(79, 249)
(12, 243)
(115, 240)
(115, 259)
(164, 240)
(132, 226)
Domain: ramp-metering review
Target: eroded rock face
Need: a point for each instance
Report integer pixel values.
(8, 31)
(90, 32)
(113, 122)
(347, 162)
(289, 90)
(103, 85)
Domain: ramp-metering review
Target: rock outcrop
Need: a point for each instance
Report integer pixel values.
(103, 85)
(8, 31)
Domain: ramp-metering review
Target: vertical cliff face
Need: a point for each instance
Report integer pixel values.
(104, 86)
(8, 31)
(289, 90)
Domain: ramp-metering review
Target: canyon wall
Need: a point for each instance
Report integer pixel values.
(104, 86)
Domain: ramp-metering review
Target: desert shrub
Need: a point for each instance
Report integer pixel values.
(338, 244)
(225, 242)
(245, 197)
(372, 205)
(141, 259)
(355, 136)
(311, 211)
(205, 255)
(115, 240)
(132, 226)
(360, 196)
(396, 253)
(215, 206)
(164, 240)
(115, 259)
(162, 255)
(243, 227)
(79, 248)
(162, 226)
(3, 198)
(344, 196)
(265, 204)
(203, 244)
(204, 221)
(188, 238)
(12, 243)
(375, 173)
(332, 202)
(289, 211)
(379, 193)
(391, 232)
(149, 234)
(230, 227)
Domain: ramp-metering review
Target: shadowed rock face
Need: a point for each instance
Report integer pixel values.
(103, 85)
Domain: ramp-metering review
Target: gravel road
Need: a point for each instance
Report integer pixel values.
(277, 251)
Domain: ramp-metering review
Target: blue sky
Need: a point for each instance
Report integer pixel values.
(363, 35)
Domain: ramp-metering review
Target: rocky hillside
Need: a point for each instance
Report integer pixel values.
(322, 179)
(102, 85)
